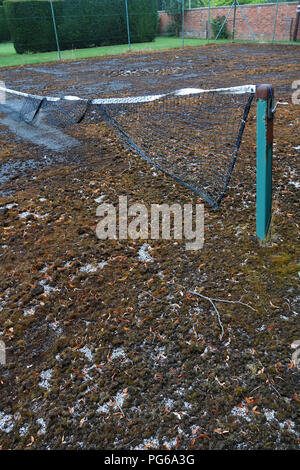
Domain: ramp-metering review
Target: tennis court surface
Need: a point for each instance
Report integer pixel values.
(106, 348)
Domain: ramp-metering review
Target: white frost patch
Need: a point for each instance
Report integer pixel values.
(25, 214)
(261, 328)
(48, 289)
(295, 183)
(3, 299)
(43, 427)
(169, 403)
(55, 326)
(6, 422)
(158, 354)
(87, 352)
(9, 206)
(67, 264)
(92, 268)
(241, 413)
(29, 311)
(24, 430)
(144, 253)
(44, 270)
(171, 444)
(188, 405)
(287, 424)
(100, 198)
(151, 443)
(270, 415)
(113, 404)
(118, 352)
(45, 376)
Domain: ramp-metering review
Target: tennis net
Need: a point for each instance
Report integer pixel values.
(191, 134)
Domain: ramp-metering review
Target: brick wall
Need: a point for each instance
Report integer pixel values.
(260, 18)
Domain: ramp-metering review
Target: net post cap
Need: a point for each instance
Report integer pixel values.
(264, 91)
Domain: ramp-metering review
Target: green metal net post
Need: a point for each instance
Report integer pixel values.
(264, 155)
(208, 21)
(275, 21)
(127, 24)
(182, 26)
(55, 30)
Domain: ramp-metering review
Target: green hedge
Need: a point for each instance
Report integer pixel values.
(4, 31)
(80, 23)
(30, 24)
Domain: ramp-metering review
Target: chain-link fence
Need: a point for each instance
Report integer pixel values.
(49, 25)
(231, 19)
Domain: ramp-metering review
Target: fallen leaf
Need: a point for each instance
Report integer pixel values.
(220, 431)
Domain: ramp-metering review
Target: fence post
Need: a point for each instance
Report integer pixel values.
(225, 21)
(234, 20)
(275, 21)
(208, 20)
(55, 30)
(182, 22)
(264, 154)
(297, 23)
(127, 23)
(246, 21)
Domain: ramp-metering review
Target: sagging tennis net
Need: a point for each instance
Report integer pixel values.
(193, 135)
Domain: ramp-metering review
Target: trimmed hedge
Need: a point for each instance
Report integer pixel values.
(4, 31)
(143, 19)
(80, 23)
(30, 24)
(102, 22)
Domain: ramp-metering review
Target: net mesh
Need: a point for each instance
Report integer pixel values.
(192, 135)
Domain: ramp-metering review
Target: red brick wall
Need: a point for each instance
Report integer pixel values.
(260, 18)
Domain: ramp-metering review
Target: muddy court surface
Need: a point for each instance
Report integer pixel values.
(106, 348)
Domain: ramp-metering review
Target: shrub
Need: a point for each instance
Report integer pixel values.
(4, 31)
(80, 23)
(216, 24)
(96, 25)
(30, 24)
(143, 20)
(173, 8)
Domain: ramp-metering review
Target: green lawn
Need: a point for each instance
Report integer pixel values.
(9, 57)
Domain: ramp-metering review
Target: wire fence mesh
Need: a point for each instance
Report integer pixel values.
(71, 25)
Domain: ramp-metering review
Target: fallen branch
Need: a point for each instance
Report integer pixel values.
(212, 301)
(215, 308)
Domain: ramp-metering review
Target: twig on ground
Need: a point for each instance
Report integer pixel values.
(212, 301)
(126, 169)
(215, 308)
(148, 293)
(269, 380)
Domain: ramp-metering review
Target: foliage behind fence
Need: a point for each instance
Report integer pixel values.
(4, 31)
(80, 23)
